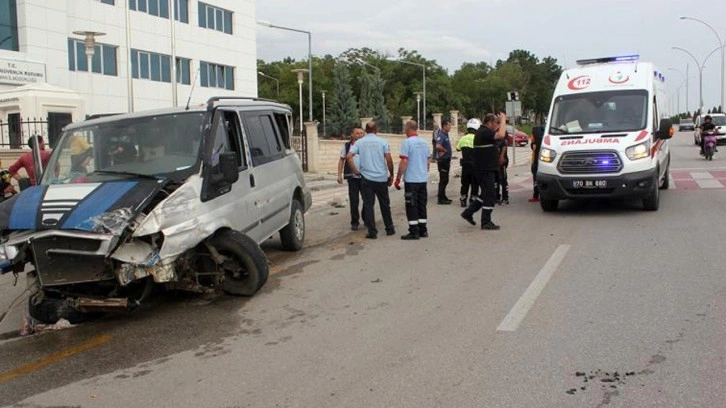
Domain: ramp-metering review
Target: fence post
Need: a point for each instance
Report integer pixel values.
(313, 147)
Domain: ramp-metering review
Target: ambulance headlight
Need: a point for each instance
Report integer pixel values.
(639, 151)
(547, 155)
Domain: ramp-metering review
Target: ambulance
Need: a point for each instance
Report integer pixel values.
(607, 134)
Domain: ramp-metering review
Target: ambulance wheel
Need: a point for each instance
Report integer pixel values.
(549, 205)
(666, 179)
(652, 201)
(244, 264)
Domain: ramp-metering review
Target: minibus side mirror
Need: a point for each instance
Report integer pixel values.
(228, 167)
(665, 129)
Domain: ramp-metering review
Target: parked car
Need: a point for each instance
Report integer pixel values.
(686, 124)
(516, 136)
(175, 197)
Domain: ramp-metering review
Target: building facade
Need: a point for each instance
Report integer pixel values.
(42, 52)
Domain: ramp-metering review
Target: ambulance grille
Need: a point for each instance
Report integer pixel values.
(599, 162)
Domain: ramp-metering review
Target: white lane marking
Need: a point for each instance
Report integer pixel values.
(519, 311)
(698, 168)
(706, 180)
(671, 182)
(701, 175)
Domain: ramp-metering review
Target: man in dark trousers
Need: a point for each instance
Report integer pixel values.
(344, 171)
(376, 171)
(502, 183)
(466, 147)
(443, 149)
(486, 166)
(414, 167)
(537, 136)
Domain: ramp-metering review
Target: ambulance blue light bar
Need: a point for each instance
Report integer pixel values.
(605, 60)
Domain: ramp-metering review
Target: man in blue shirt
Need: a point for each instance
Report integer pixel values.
(443, 149)
(414, 167)
(376, 171)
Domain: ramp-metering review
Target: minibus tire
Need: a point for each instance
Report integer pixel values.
(241, 251)
(293, 235)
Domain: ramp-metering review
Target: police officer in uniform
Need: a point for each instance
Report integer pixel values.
(486, 167)
(466, 147)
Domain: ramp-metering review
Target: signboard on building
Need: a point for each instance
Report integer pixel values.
(21, 72)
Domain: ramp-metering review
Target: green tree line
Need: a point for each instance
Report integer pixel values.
(379, 86)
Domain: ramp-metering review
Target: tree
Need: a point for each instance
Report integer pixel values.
(343, 108)
(380, 112)
(365, 99)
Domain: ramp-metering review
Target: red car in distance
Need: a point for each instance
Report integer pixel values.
(517, 136)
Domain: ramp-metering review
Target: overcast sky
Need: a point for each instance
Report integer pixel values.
(457, 31)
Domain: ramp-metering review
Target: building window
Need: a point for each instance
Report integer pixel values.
(216, 76)
(157, 67)
(111, 2)
(215, 18)
(9, 25)
(160, 8)
(103, 61)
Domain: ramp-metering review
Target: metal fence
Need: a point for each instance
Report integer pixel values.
(300, 144)
(14, 133)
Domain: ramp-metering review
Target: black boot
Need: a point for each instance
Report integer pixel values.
(413, 233)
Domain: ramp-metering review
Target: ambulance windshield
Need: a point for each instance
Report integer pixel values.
(598, 112)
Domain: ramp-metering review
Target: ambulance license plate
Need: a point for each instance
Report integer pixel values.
(589, 184)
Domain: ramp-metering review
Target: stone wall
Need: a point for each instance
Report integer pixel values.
(329, 151)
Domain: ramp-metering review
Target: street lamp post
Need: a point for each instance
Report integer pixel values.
(685, 78)
(325, 133)
(361, 61)
(422, 124)
(418, 106)
(300, 79)
(277, 81)
(700, 67)
(310, 60)
(89, 41)
(720, 47)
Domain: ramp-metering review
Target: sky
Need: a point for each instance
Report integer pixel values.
(456, 31)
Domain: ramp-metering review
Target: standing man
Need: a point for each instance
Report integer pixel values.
(537, 136)
(344, 171)
(486, 166)
(466, 147)
(434, 135)
(443, 149)
(376, 171)
(26, 160)
(414, 167)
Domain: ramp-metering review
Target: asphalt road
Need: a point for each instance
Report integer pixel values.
(599, 304)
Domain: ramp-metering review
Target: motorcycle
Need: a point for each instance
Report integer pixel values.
(709, 145)
(7, 189)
